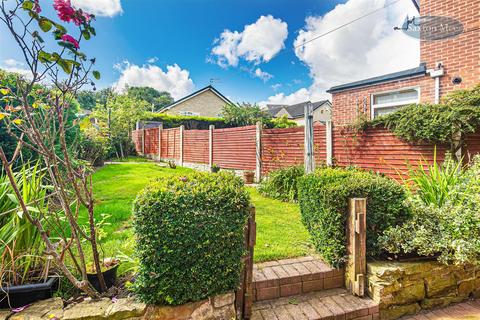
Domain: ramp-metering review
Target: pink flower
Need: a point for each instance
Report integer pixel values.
(36, 7)
(70, 39)
(64, 9)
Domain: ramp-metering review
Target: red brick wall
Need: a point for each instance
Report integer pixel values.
(460, 55)
(196, 146)
(344, 103)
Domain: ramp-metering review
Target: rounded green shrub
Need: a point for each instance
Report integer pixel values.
(324, 197)
(190, 237)
(281, 184)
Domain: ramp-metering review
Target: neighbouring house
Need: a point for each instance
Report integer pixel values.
(446, 65)
(206, 102)
(296, 112)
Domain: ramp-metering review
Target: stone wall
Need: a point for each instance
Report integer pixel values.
(220, 307)
(403, 288)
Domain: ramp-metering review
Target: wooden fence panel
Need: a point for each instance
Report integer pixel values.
(235, 148)
(195, 146)
(171, 143)
(151, 141)
(282, 148)
(381, 151)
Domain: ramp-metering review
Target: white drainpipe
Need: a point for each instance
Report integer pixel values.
(436, 74)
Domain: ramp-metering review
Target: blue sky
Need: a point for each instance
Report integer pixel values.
(138, 41)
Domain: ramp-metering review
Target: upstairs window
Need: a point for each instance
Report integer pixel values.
(388, 102)
(189, 113)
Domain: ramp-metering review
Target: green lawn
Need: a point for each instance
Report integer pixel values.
(280, 233)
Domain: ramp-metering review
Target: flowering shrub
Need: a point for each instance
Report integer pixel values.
(450, 231)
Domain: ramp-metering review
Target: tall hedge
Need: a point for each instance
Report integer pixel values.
(190, 238)
(323, 198)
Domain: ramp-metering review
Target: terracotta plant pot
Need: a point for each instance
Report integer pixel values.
(249, 177)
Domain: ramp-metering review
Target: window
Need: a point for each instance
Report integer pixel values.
(388, 102)
(189, 113)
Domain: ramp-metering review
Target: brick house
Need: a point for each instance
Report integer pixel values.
(206, 102)
(446, 65)
(296, 112)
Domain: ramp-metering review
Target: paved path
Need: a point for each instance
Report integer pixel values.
(463, 311)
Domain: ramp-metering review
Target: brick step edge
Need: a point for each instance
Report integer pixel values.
(334, 304)
(289, 286)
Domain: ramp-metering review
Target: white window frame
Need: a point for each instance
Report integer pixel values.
(392, 104)
(189, 113)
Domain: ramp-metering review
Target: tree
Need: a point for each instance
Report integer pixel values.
(120, 115)
(87, 99)
(40, 120)
(155, 98)
(244, 114)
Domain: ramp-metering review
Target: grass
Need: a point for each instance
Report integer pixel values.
(130, 159)
(280, 233)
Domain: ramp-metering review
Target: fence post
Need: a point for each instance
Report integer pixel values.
(160, 128)
(244, 295)
(143, 139)
(329, 143)
(258, 153)
(356, 267)
(182, 128)
(210, 145)
(308, 146)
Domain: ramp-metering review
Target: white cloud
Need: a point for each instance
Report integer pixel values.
(12, 65)
(152, 60)
(366, 48)
(276, 86)
(174, 79)
(258, 42)
(265, 76)
(106, 8)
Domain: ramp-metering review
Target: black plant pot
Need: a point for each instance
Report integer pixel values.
(19, 296)
(110, 277)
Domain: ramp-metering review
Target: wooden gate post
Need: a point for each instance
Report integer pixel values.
(244, 295)
(356, 267)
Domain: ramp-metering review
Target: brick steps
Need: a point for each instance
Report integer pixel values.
(333, 304)
(283, 278)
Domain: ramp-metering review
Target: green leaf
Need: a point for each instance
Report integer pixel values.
(96, 75)
(86, 34)
(44, 57)
(67, 45)
(45, 24)
(27, 5)
(65, 65)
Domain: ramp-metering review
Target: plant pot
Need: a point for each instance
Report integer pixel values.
(19, 296)
(214, 169)
(109, 275)
(248, 177)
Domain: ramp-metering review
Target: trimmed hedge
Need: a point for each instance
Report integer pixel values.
(190, 122)
(190, 238)
(323, 198)
(281, 184)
